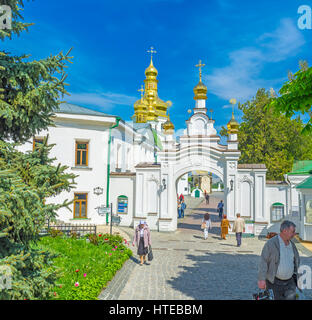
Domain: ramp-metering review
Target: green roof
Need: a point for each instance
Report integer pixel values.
(277, 204)
(301, 167)
(306, 184)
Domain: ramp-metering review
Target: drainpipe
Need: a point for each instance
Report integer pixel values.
(290, 196)
(108, 163)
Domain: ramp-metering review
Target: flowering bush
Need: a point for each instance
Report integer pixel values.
(85, 268)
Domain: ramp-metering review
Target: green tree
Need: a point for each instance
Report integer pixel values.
(269, 138)
(29, 93)
(296, 95)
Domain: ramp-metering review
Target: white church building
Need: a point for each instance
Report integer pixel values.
(136, 166)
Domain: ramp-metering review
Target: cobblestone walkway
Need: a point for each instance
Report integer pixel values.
(187, 267)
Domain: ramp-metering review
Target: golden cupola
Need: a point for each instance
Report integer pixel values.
(168, 127)
(150, 106)
(200, 90)
(232, 125)
(140, 108)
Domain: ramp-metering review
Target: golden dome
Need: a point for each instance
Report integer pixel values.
(200, 91)
(168, 127)
(150, 106)
(151, 70)
(232, 125)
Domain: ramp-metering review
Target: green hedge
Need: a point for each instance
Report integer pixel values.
(85, 265)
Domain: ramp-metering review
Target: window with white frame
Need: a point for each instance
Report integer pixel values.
(308, 213)
(277, 212)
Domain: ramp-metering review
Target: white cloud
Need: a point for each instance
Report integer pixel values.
(240, 79)
(107, 101)
(227, 106)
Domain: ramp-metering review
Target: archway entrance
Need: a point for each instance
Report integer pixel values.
(191, 188)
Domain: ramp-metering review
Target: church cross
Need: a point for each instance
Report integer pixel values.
(200, 65)
(152, 51)
(141, 90)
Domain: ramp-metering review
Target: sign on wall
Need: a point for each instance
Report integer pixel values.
(122, 204)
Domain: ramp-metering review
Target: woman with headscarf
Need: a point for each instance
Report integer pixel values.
(225, 225)
(142, 238)
(208, 225)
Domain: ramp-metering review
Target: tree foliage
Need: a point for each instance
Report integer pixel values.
(18, 25)
(30, 92)
(269, 138)
(296, 95)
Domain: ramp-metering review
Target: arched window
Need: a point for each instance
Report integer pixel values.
(277, 212)
(122, 204)
(308, 212)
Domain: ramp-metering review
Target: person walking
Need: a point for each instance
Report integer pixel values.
(279, 263)
(208, 225)
(179, 210)
(225, 226)
(142, 238)
(239, 228)
(207, 198)
(220, 209)
(183, 206)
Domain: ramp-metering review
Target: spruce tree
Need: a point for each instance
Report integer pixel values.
(30, 91)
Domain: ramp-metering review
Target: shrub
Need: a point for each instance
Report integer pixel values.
(55, 233)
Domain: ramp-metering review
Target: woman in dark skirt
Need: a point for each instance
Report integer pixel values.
(142, 238)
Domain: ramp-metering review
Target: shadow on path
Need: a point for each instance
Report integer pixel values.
(220, 276)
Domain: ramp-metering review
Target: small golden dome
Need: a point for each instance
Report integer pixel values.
(200, 91)
(151, 70)
(168, 127)
(232, 125)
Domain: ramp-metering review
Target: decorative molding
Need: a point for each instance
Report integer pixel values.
(232, 165)
(153, 178)
(152, 213)
(246, 179)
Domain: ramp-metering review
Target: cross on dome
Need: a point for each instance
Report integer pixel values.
(141, 90)
(200, 65)
(151, 51)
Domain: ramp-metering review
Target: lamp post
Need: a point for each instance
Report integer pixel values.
(108, 163)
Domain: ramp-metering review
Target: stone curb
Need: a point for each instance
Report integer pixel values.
(117, 284)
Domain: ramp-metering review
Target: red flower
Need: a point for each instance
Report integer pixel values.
(100, 235)
(77, 270)
(105, 239)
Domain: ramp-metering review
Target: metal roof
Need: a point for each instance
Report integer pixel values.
(301, 167)
(305, 184)
(74, 109)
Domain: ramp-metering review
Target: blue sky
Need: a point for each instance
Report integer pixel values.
(245, 45)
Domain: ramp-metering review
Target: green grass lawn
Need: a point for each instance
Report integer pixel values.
(85, 268)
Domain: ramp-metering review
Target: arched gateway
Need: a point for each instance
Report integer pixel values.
(199, 148)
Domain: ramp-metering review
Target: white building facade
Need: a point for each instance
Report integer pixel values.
(141, 173)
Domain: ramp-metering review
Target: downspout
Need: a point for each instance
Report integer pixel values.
(108, 163)
(290, 195)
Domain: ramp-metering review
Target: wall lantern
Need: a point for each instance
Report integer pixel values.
(164, 184)
(98, 191)
(231, 183)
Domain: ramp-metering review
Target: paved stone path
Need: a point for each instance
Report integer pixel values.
(187, 267)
